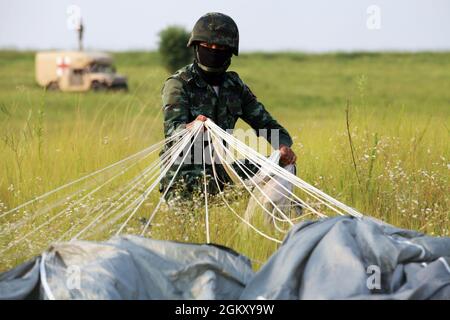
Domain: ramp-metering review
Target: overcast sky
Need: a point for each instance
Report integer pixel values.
(265, 25)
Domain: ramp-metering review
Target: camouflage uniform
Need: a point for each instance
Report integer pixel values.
(186, 95)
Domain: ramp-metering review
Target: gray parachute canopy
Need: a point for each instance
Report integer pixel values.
(333, 258)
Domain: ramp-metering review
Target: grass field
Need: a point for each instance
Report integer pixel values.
(398, 115)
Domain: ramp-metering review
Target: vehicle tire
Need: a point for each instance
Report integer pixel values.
(98, 86)
(52, 86)
(124, 88)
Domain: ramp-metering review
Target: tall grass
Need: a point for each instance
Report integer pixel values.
(396, 125)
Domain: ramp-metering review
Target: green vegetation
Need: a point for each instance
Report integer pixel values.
(172, 47)
(398, 108)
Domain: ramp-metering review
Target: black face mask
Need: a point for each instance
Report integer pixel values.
(213, 60)
(211, 78)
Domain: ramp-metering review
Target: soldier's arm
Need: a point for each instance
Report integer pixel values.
(256, 115)
(175, 106)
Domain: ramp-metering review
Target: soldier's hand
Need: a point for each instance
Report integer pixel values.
(201, 118)
(287, 156)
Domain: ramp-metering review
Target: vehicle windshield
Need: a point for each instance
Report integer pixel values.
(102, 68)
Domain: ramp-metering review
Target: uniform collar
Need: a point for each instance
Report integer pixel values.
(197, 77)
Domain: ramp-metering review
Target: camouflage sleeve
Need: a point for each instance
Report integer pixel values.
(256, 115)
(175, 107)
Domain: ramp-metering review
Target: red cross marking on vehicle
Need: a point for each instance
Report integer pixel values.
(62, 63)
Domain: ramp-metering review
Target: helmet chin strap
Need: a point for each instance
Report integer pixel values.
(221, 69)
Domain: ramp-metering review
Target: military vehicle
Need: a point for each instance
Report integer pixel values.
(78, 71)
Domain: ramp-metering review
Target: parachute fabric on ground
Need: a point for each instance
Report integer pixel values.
(120, 268)
(354, 258)
(333, 258)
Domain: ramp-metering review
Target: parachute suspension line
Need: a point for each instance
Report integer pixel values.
(205, 189)
(270, 174)
(43, 277)
(40, 212)
(272, 169)
(285, 174)
(114, 208)
(151, 148)
(229, 206)
(12, 244)
(134, 184)
(261, 176)
(242, 167)
(221, 148)
(320, 200)
(297, 200)
(153, 185)
(134, 181)
(268, 166)
(194, 131)
(231, 171)
(286, 219)
(123, 171)
(256, 185)
(164, 159)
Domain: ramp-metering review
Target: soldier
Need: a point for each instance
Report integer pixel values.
(204, 89)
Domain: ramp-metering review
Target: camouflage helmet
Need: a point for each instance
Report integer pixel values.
(216, 28)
